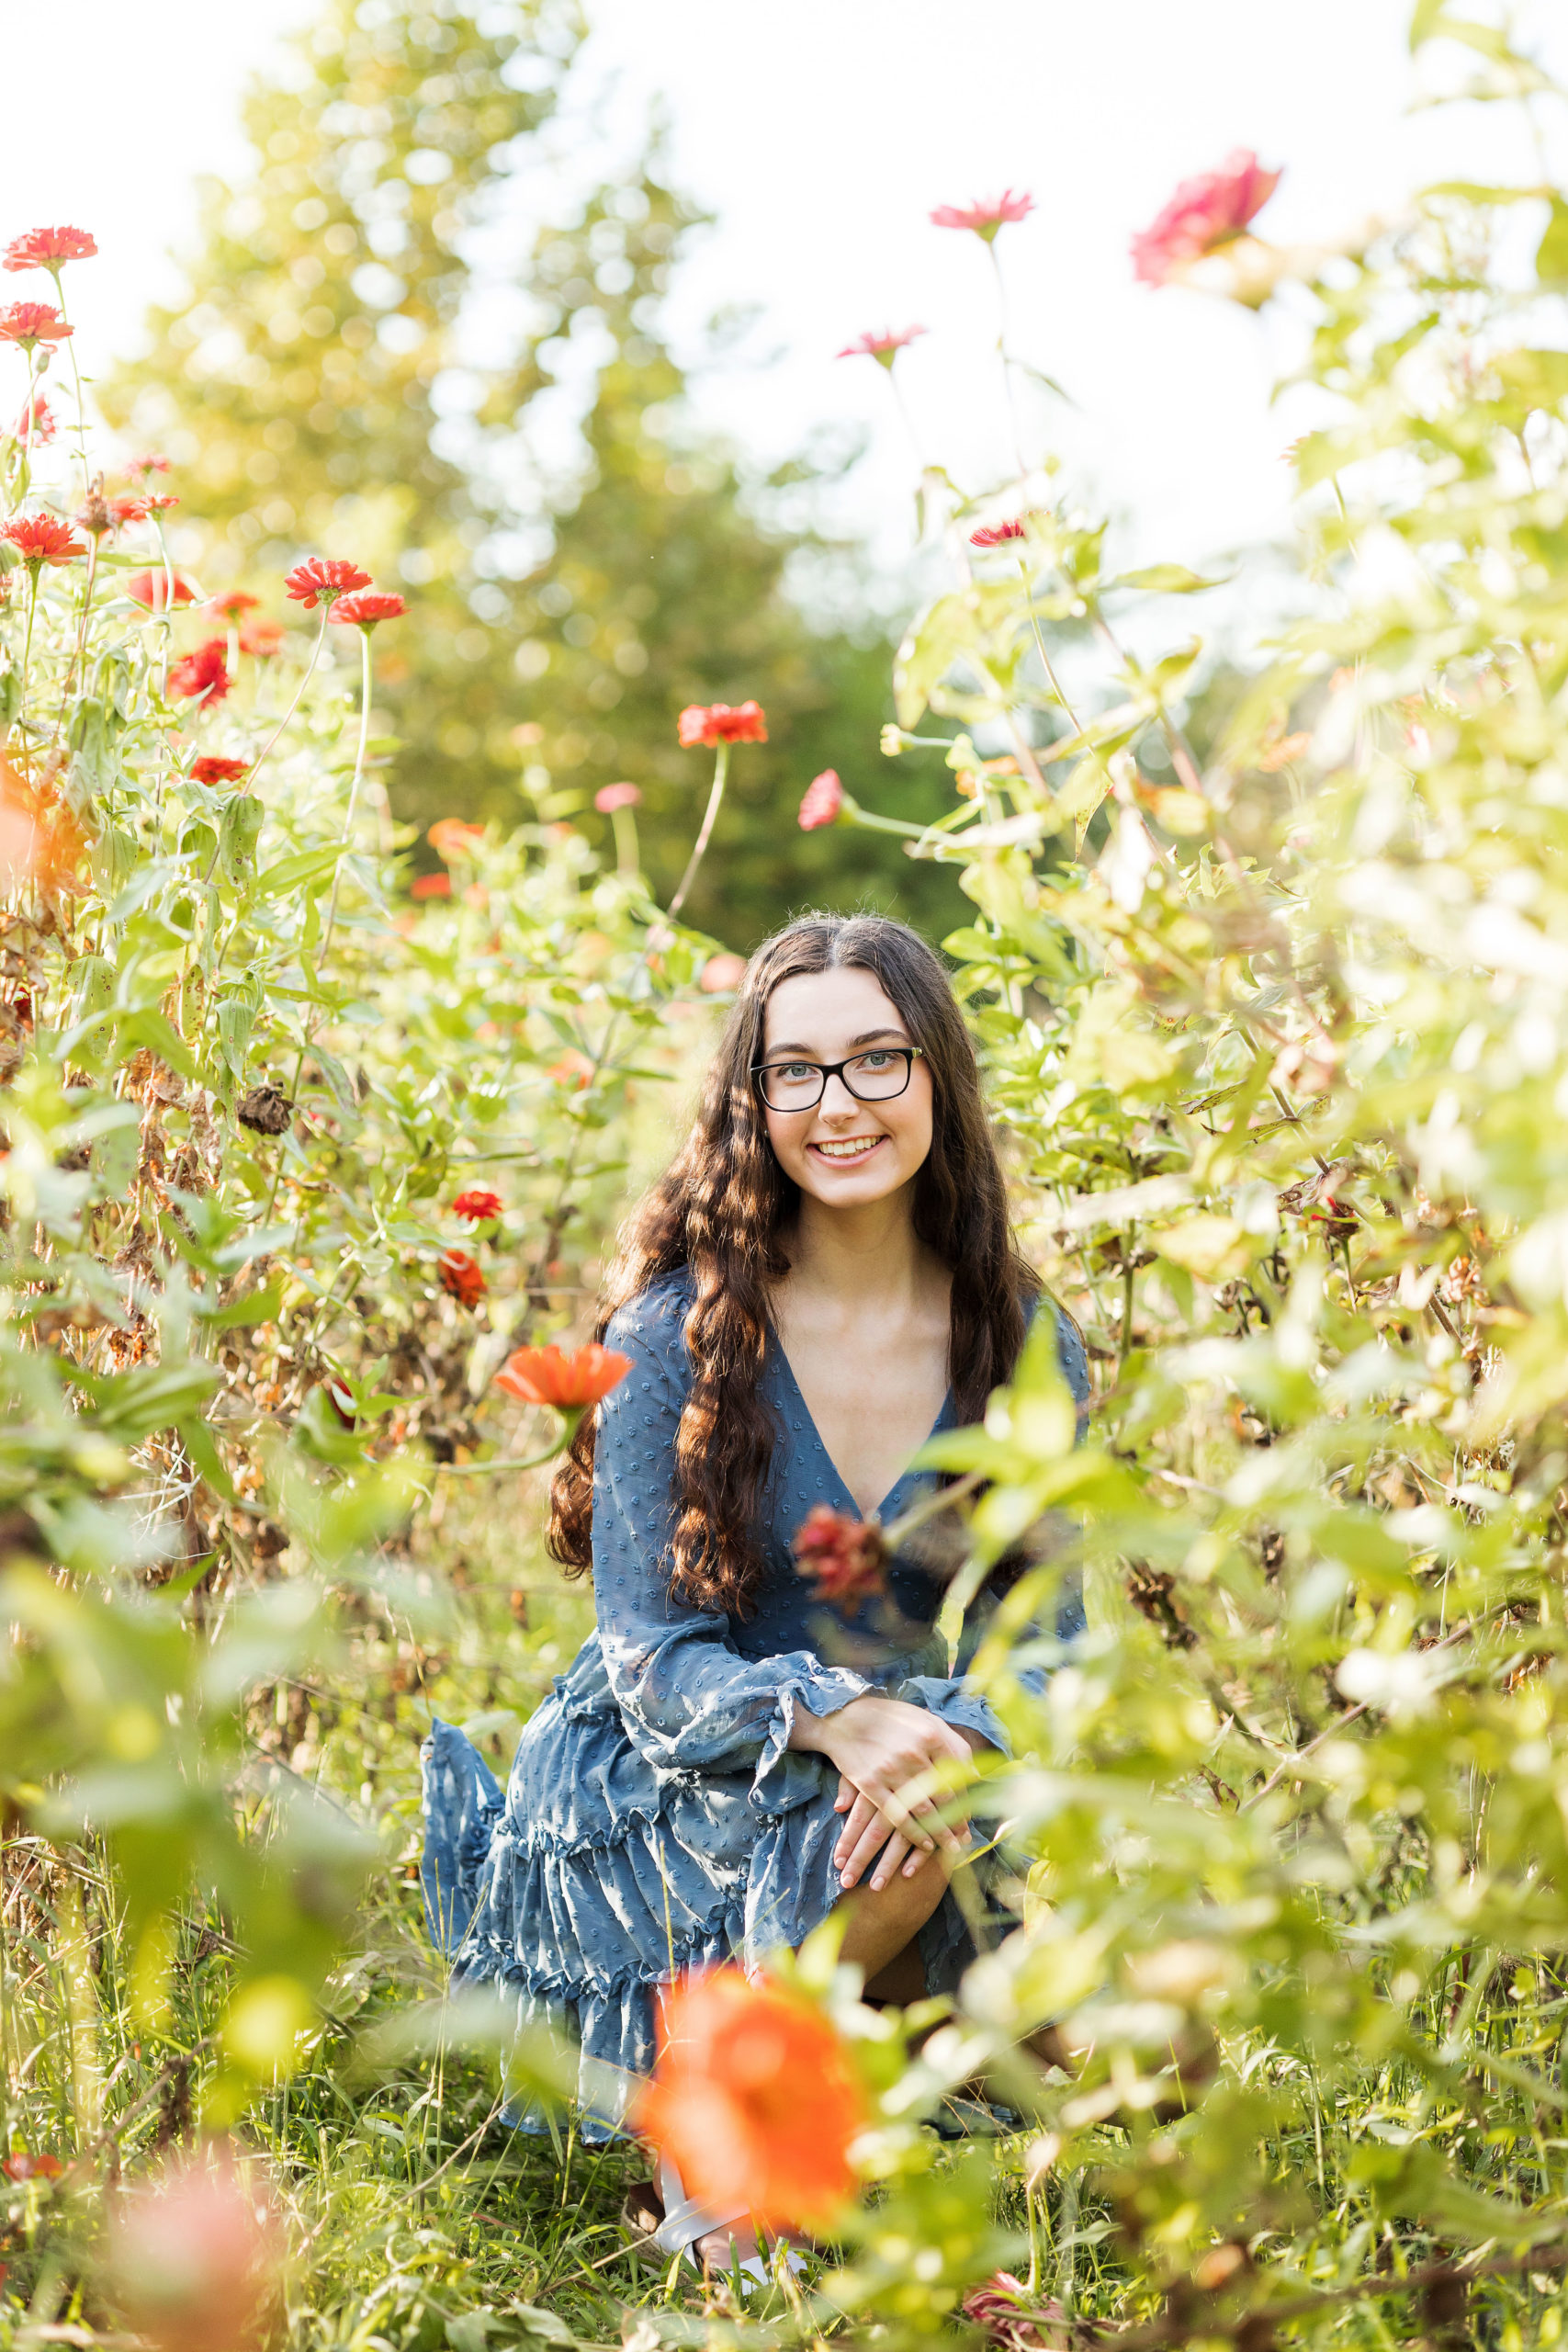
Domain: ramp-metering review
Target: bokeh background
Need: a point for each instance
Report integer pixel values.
(539, 311)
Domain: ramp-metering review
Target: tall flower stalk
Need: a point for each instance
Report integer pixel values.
(718, 725)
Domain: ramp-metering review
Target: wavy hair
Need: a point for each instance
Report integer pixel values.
(722, 1210)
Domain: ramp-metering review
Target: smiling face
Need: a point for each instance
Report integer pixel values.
(843, 1152)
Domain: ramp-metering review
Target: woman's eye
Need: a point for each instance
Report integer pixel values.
(875, 1061)
(795, 1072)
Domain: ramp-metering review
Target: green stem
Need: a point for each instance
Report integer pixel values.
(720, 771)
(493, 1469)
(76, 380)
(37, 572)
(266, 751)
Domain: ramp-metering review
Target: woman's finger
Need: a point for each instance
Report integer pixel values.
(863, 1813)
(846, 1797)
(887, 1862)
(866, 1850)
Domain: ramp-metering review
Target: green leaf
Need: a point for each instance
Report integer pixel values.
(239, 829)
(1551, 253)
(1167, 580)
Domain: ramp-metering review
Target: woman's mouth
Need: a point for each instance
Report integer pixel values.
(847, 1151)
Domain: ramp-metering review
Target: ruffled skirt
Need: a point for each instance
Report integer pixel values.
(597, 1876)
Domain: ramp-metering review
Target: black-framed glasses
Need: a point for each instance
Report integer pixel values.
(875, 1076)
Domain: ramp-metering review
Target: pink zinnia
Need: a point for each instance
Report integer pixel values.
(37, 425)
(612, 797)
(323, 580)
(722, 722)
(364, 611)
(47, 249)
(203, 673)
(1204, 213)
(33, 323)
(41, 538)
(983, 219)
(824, 798)
(994, 535)
(884, 348)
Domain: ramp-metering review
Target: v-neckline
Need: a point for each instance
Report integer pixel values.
(822, 1446)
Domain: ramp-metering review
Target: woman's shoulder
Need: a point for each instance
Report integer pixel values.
(654, 1321)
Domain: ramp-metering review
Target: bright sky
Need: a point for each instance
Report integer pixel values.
(822, 135)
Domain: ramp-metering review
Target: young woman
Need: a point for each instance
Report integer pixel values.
(823, 1279)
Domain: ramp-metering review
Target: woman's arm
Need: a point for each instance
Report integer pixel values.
(687, 1696)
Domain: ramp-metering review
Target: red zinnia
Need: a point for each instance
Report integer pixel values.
(41, 538)
(203, 673)
(33, 323)
(323, 580)
(611, 797)
(23, 2166)
(823, 799)
(129, 506)
(478, 1204)
(719, 722)
(364, 611)
(261, 638)
(431, 886)
(996, 534)
(1209, 210)
(845, 1558)
(211, 768)
(983, 219)
(451, 837)
(151, 588)
(230, 606)
(38, 425)
(754, 2097)
(884, 348)
(546, 1376)
(47, 249)
(462, 1277)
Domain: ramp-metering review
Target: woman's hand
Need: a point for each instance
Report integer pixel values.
(883, 1748)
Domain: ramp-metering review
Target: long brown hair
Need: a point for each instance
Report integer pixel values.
(721, 1212)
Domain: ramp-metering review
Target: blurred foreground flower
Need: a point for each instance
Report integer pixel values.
(983, 219)
(203, 674)
(152, 589)
(40, 839)
(823, 799)
(1003, 2308)
(611, 797)
(884, 348)
(996, 534)
(35, 426)
(212, 768)
(230, 608)
(462, 1277)
(31, 323)
(753, 2097)
(845, 1558)
(477, 1206)
(21, 2165)
(193, 2259)
(431, 886)
(48, 249)
(1205, 212)
(449, 837)
(570, 1384)
(721, 973)
(721, 722)
(323, 580)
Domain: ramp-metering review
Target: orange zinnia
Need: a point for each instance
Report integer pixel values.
(754, 2096)
(451, 837)
(546, 1376)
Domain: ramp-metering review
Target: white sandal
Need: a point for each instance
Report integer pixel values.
(685, 2219)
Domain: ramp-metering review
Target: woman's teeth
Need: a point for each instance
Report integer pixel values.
(855, 1148)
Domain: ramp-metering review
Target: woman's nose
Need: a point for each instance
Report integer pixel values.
(838, 1103)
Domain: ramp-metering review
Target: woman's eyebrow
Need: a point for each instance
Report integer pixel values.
(789, 1045)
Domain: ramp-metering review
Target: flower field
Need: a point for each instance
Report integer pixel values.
(316, 1128)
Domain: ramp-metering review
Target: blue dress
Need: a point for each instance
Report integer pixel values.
(656, 1818)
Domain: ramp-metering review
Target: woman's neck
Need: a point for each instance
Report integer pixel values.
(857, 1255)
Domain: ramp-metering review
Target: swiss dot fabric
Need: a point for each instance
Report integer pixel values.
(656, 1818)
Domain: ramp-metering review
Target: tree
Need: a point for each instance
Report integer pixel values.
(312, 391)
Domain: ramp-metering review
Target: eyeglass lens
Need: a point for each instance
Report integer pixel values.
(872, 1077)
